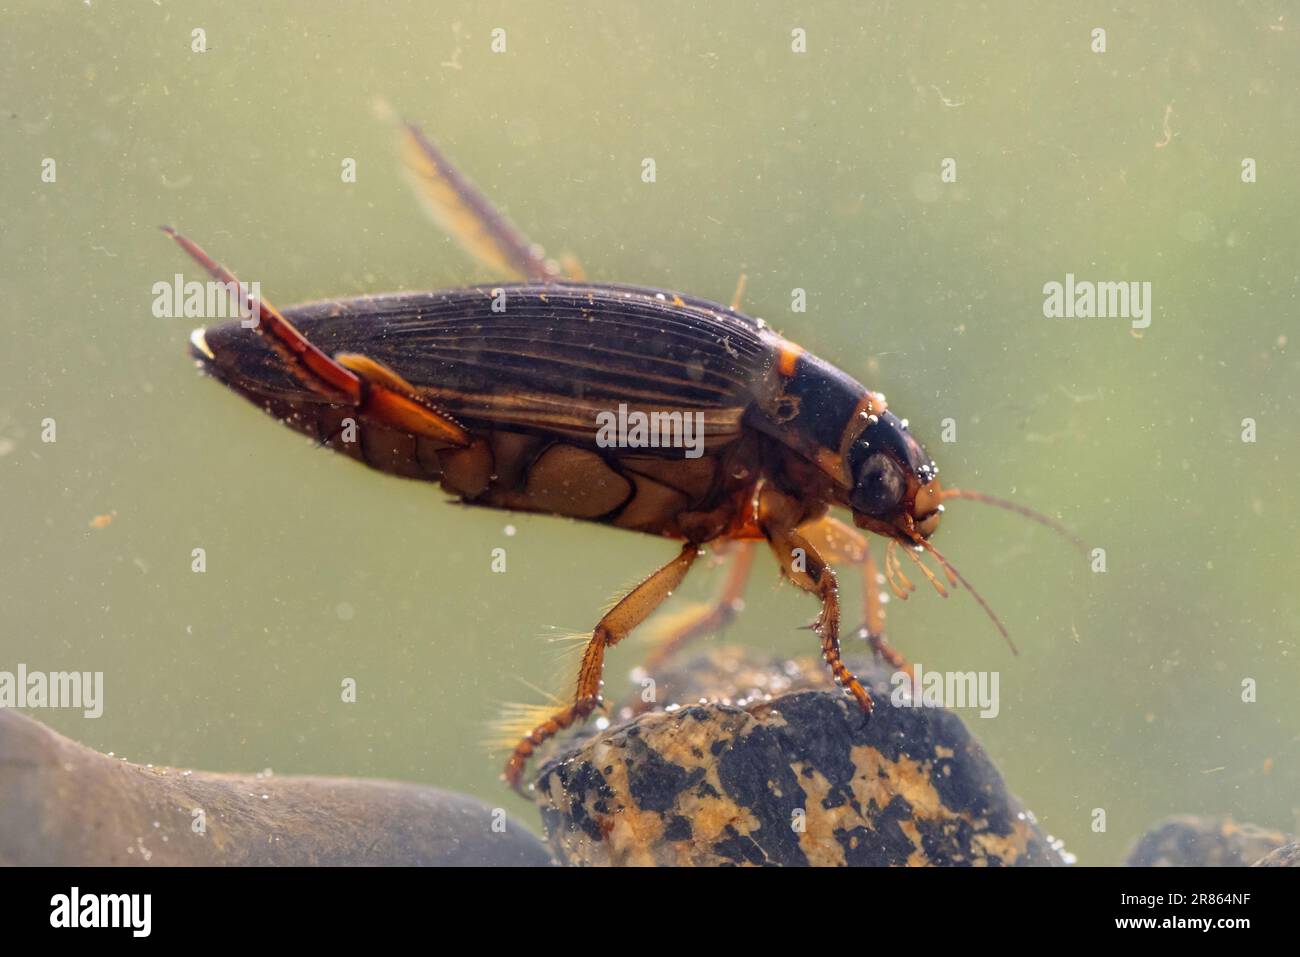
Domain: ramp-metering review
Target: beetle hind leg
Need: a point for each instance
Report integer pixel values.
(390, 399)
(630, 611)
(370, 387)
(306, 363)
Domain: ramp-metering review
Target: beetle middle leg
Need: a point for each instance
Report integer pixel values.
(710, 618)
(633, 609)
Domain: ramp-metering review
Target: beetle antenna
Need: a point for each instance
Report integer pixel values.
(993, 617)
(1028, 513)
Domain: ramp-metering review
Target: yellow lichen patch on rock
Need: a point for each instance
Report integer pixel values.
(820, 822)
(1005, 848)
(918, 857)
(880, 780)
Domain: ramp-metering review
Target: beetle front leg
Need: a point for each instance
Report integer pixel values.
(802, 564)
(634, 608)
(842, 545)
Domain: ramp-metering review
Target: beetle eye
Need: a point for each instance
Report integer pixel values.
(880, 487)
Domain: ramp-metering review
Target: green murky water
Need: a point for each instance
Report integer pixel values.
(819, 171)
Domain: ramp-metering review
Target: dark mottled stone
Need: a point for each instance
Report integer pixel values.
(739, 848)
(678, 828)
(796, 778)
(757, 776)
(655, 783)
(892, 845)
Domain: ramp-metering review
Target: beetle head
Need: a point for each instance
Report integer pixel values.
(896, 490)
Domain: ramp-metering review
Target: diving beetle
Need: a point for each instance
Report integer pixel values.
(498, 393)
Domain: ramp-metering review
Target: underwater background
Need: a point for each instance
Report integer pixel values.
(818, 170)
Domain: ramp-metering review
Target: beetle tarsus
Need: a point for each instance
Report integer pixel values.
(564, 718)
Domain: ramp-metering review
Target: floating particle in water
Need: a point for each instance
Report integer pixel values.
(1169, 133)
(949, 103)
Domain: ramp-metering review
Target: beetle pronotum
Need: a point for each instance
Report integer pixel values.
(498, 394)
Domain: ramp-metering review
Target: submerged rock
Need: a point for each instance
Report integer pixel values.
(1192, 841)
(785, 777)
(64, 804)
(1286, 856)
